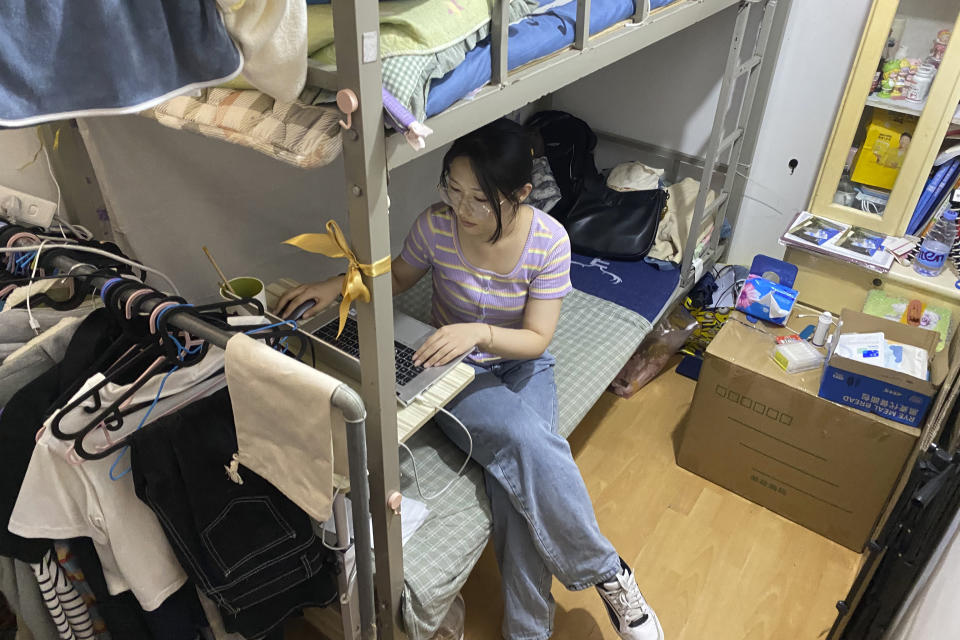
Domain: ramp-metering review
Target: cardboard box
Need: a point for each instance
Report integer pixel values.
(891, 394)
(765, 434)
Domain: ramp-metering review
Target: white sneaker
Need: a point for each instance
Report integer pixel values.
(631, 615)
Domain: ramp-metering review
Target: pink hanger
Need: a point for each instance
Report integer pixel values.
(156, 312)
(22, 235)
(133, 296)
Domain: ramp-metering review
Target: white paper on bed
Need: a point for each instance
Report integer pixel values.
(412, 516)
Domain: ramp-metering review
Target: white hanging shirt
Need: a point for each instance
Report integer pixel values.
(61, 499)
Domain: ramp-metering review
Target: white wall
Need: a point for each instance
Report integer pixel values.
(17, 147)
(820, 42)
(171, 192)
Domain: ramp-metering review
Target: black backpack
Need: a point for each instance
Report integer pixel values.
(568, 143)
(600, 221)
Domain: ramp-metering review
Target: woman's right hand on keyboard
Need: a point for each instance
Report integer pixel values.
(322, 293)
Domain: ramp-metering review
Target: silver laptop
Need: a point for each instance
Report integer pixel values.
(343, 353)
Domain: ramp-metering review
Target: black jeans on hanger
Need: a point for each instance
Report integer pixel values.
(247, 546)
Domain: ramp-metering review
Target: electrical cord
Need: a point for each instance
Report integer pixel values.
(99, 252)
(74, 229)
(351, 578)
(34, 323)
(53, 177)
(416, 475)
(78, 230)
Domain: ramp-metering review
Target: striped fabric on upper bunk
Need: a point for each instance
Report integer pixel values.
(295, 132)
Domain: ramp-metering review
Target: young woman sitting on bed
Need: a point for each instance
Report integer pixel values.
(500, 272)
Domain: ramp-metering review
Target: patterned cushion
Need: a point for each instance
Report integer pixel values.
(297, 133)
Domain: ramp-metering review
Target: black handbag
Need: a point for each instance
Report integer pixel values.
(621, 225)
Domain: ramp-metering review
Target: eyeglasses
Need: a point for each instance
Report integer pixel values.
(464, 204)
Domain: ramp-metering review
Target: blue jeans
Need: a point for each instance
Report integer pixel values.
(543, 519)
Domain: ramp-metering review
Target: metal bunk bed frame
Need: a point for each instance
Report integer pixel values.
(369, 154)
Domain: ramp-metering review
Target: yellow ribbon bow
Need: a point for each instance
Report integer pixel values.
(333, 244)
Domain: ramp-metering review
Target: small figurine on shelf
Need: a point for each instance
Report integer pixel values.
(890, 71)
(899, 78)
(939, 48)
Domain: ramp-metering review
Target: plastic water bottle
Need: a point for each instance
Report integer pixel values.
(932, 257)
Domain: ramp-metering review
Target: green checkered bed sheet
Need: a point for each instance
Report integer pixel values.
(593, 341)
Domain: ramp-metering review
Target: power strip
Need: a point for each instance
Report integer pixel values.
(26, 209)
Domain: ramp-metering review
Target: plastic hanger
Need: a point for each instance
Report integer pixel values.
(183, 354)
(155, 355)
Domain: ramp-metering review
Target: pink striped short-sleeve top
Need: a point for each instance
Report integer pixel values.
(465, 293)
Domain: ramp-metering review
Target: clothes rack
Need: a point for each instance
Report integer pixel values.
(350, 405)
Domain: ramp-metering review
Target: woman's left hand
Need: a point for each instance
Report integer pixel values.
(448, 342)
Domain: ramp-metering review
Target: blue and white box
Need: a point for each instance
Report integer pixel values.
(887, 393)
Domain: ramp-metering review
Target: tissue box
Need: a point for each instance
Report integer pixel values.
(761, 298)
(894, 395)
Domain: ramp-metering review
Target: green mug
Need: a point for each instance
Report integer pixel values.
(246, 287)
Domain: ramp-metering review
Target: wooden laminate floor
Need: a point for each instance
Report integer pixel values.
(713, 565)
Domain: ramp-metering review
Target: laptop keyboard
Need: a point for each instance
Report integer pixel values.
(349, 342)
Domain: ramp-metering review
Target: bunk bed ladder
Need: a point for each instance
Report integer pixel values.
(726, 144)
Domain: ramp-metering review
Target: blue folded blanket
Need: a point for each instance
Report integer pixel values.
(63, 58)
(636, 285)
(533, 37)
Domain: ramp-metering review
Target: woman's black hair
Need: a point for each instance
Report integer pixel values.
(501, 157)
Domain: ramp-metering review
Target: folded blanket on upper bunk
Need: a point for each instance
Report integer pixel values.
(545, 32)
(407, 27)
(61, 59)
(420, 40)
(533, 37)
(409, 77)
(304, 133)
(307, 136)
